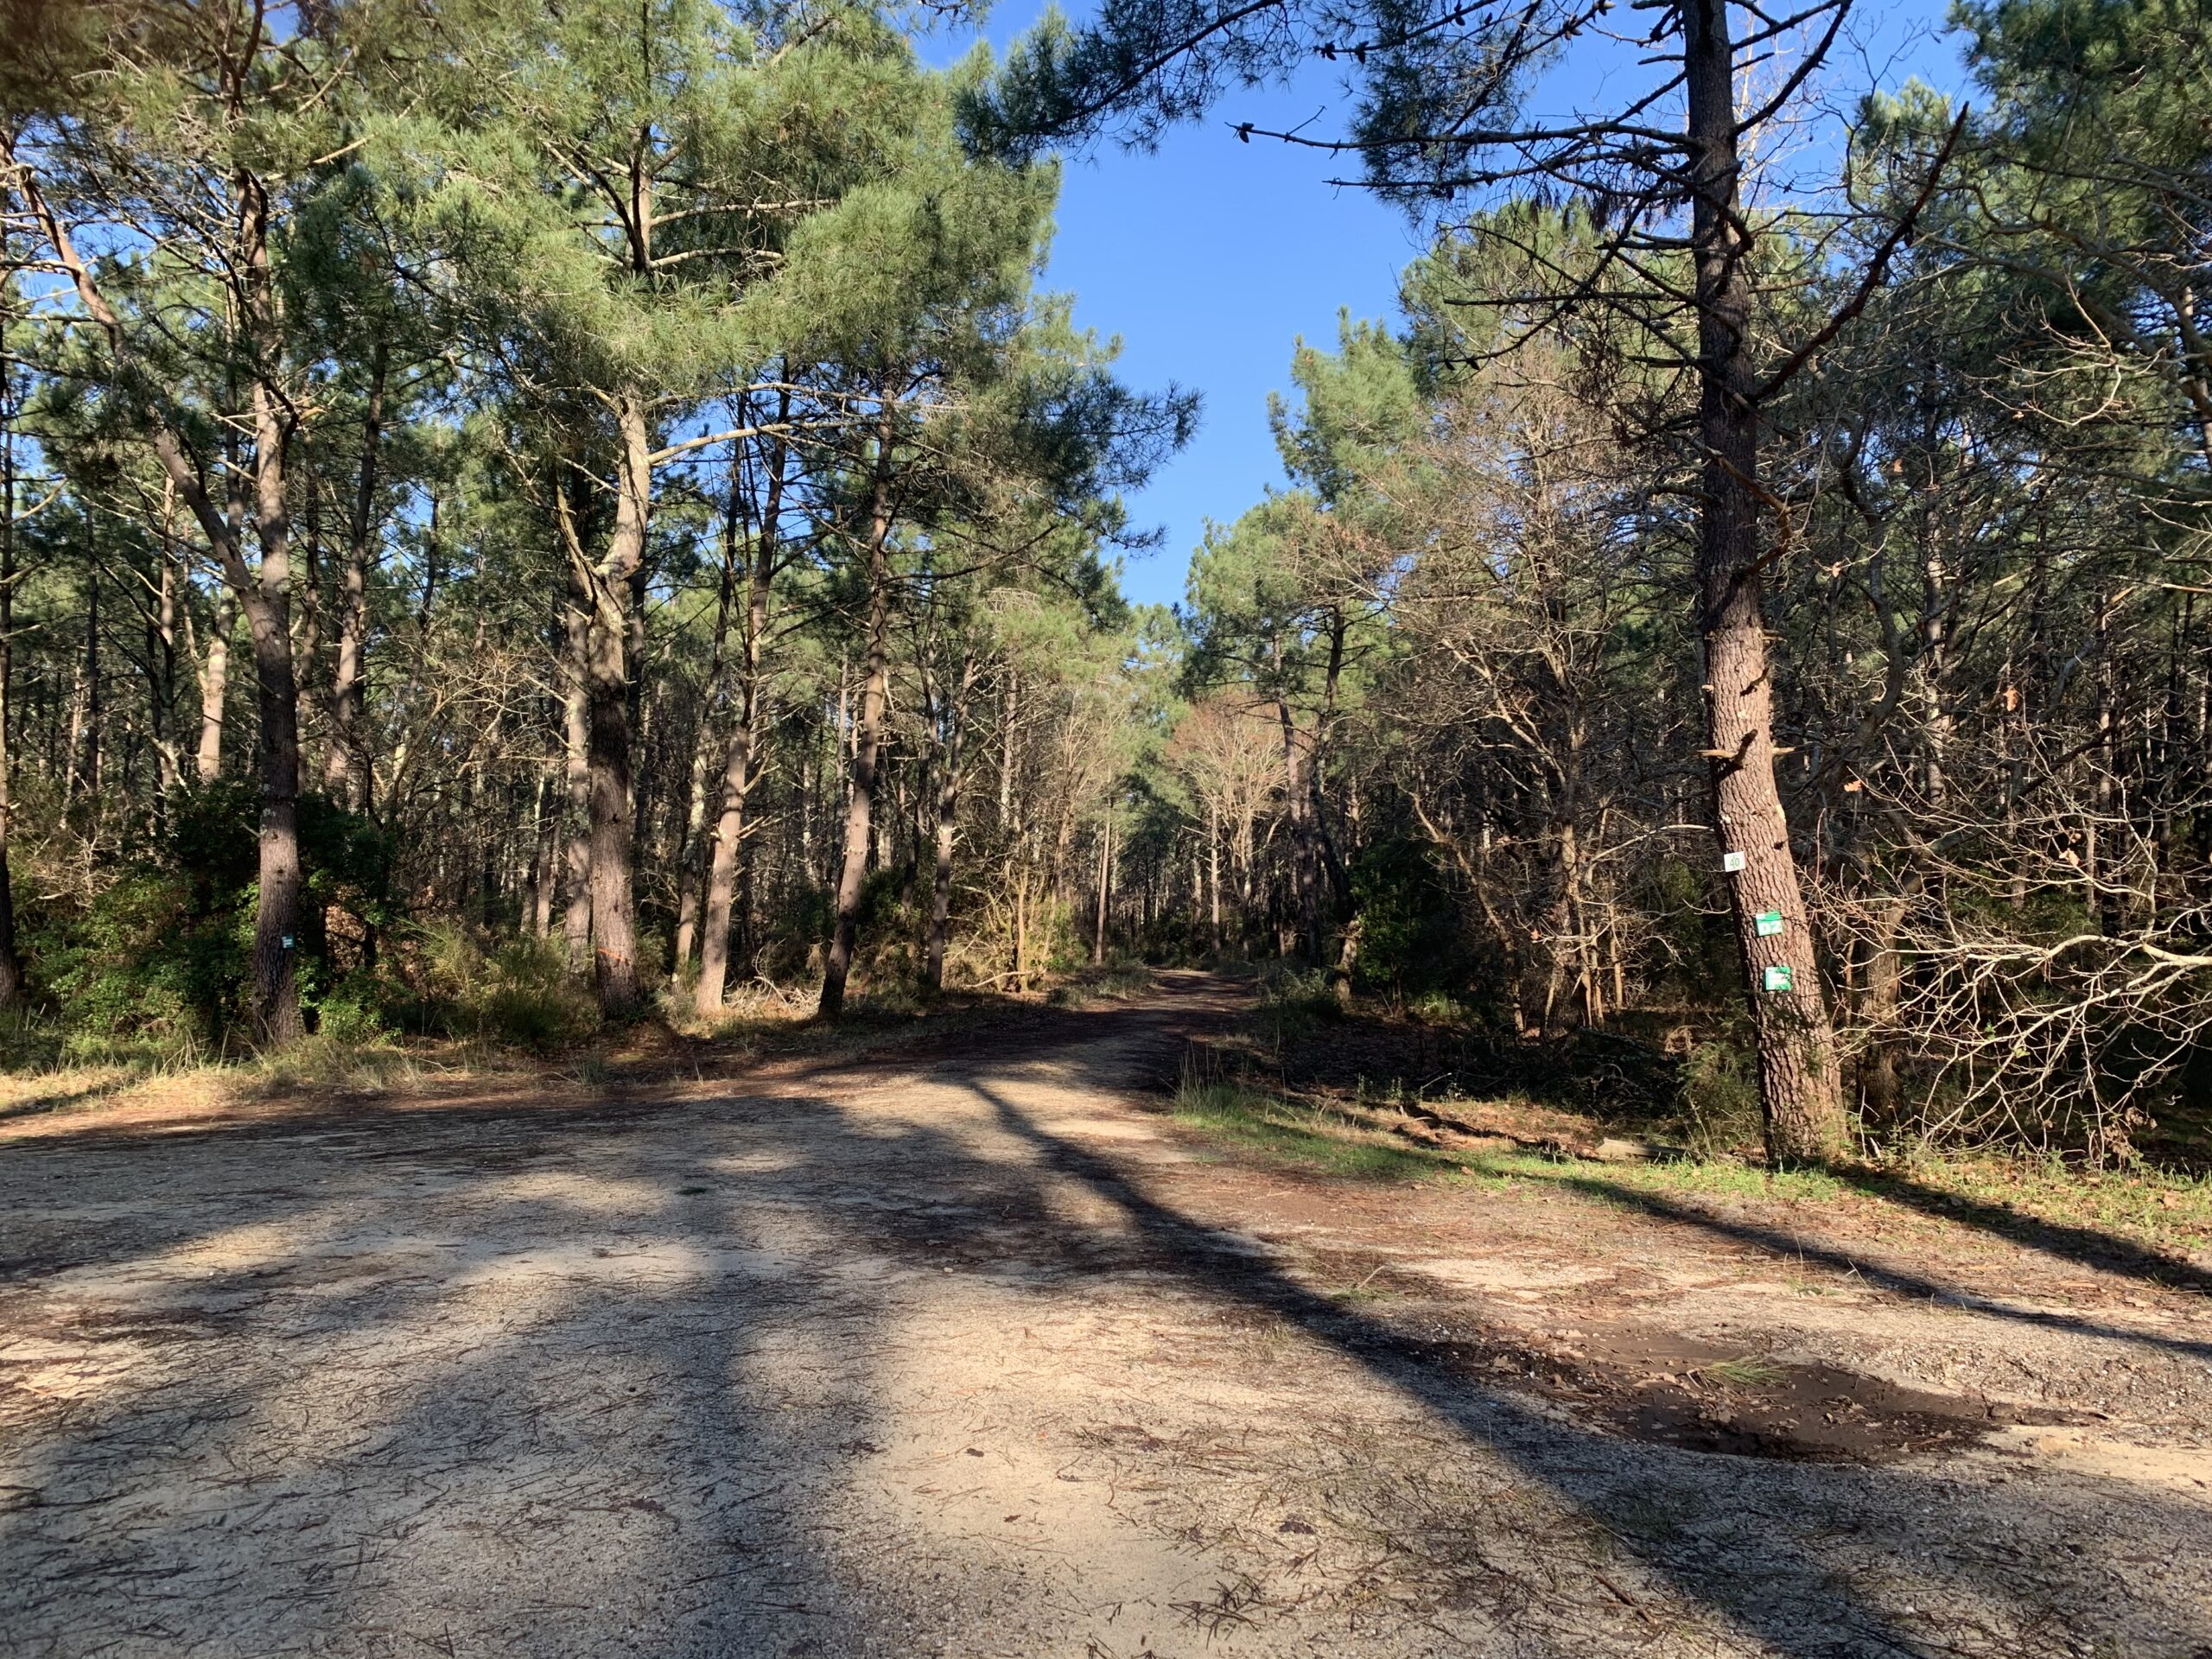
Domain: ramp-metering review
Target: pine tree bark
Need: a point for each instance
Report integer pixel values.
(11, 971)
(346, 770)
(867, 738)
(1800, 1093)
(739, 770)
(160, 656)
(606, 692)
(576, 883)
(277, 914)
(214, 689)
(955, 719)
(1105, 887)
(263, 594)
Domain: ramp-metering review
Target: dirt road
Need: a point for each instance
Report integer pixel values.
(973, 1352)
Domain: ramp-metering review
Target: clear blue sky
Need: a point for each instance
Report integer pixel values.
(1210, 257)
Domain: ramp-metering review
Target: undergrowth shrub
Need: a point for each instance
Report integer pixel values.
(519, 993)
(1720, 1090)
(1289, 991)
(157, 960)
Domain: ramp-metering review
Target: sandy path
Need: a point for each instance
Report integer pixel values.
(973, 1355)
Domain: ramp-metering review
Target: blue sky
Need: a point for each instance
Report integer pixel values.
(1210, 258)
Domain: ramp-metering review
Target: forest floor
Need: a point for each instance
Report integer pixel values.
(973, 1346)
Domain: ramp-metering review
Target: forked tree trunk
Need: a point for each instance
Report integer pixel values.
(867, 740)
(1800, 1093)
(264, 594)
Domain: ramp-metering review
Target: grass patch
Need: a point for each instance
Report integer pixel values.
(1295, 1133)
(2045, 1204)
(1748, 1372)
(2161, 1208)
(327, 1062)
(1115, 981)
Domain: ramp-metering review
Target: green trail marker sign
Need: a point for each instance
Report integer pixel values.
(1776, 978)
(1768, 922)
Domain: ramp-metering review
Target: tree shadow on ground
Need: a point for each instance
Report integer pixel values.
(63, 1100)
(1791, 1248)
(2087, 1246)
(549, 1383)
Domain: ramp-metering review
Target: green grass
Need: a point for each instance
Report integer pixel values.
(2158, 1207)
(1115, 981)
(1291, 1133)
(2160, 1210)
(1748, 1372)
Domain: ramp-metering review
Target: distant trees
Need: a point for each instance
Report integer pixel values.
(1804, 476)
(576, 409)
(1739, 605)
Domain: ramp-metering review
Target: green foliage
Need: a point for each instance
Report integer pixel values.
(520, 993)
(1410, 938)
(161, 952)
(1719, 1093)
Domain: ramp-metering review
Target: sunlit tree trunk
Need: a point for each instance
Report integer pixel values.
(739, 760)
(575, 884)
(12, 972)
(345, 770)
(867, 738)
(1799, 1090)
(955, 717)
(608, 735)
(214, 666)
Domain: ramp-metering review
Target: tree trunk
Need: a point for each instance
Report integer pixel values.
(543, 820)
(160, 656)
(948, 810)
(576, 903)
(345, 768)
(1105, 887)
(1877, 1065)
(607, 694)
(1305, 853)
(276, 915)
(12, 972)
(1213, 871)
(1799, 1095)
(738, 773)
(264, 595)
(215, 688)
(689, 851)
(867, 739)
(85, 705)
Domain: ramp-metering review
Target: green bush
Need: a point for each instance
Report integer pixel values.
(519, 995)
(1719, 1089)
(1411, 942)
(163, 954)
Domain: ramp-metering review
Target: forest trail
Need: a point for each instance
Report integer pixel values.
(974, 1351)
